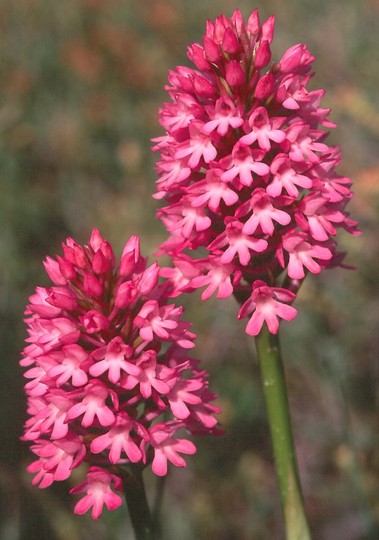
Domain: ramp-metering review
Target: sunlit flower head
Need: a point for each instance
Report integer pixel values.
(251, 197)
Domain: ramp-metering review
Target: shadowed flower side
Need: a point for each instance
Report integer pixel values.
(110, 383)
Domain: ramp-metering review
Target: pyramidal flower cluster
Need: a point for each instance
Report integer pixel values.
(250, 185)
(110, 384)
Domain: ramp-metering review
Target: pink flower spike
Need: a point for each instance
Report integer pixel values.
(98, 489)
(256, 161)
(106, 362)
(266, 304)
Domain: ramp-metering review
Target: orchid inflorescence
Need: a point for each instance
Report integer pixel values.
(253, 203)
(249, 181)
(111, 384)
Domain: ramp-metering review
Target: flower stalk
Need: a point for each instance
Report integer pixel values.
(142, 520)
(274, 385)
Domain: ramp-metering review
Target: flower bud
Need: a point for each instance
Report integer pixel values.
(196, 54)
(92, 286)
(265, 86)
(262, 55)
(211, 49)
(235, 75)
(230, 43)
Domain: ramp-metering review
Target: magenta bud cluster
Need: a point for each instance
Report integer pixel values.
(252, 198)
(110, 383)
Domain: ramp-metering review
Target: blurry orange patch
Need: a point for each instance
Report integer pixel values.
(20, 136)
(18, 83)
(128, 58)
(65, 138)
(355, 103)
(138, 73)
(114, 40)
(160, 15)
(97, 3)
(366, 184)
(84, 61)
(97, 108)
(129, 154)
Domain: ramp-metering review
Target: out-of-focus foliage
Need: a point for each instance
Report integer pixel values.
(81, 82)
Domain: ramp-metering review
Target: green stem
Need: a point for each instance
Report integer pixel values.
(274, 387)
(136, 501)
(158, 501)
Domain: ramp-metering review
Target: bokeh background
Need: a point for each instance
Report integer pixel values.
(81, 83)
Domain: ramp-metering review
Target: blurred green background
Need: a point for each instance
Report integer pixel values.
(81, 83)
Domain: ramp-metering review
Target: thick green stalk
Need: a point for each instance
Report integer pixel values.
(274, 386)
(136, 501)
